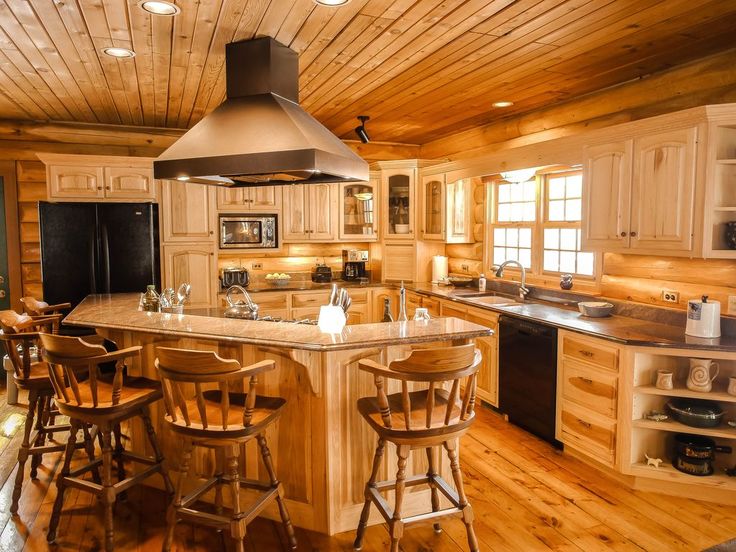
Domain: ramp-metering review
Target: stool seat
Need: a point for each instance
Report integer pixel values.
(37, 378)
(265, 411)
(136, 393)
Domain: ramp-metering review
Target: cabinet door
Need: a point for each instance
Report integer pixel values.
(413, 302)
(397, 197)
(433, 207)
(188, 212)
(399, 262)
(459, 209)
(448, 309)
(322, 211)
(379, 298)
(360, 314)
(129, 183)
(263, 198)
(357, 216)
(663, 191)
(488, 346)
(195, 264)
(231, 199)
(606, 196)
(295, 213)
(69, 181)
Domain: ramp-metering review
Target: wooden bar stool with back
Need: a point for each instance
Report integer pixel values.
(423, 419)
(20, 335)
(104, 401)
(218, 418)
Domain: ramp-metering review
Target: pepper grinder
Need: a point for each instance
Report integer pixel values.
(402, 303)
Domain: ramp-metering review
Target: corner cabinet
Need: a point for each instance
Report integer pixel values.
(640, 193)
(310, 212)
(398, 203)
(358, 204)
(446, 209)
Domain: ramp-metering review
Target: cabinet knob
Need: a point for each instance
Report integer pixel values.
(107, 187)
(623, 234)
(632, 234)
(99, 187)
(212, 232)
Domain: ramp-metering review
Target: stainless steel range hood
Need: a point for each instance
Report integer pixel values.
(259, 135)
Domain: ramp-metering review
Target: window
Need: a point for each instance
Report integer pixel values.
(537, 223)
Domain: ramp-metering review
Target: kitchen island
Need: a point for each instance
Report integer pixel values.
(321, 446)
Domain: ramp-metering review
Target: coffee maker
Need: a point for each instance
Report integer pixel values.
(353, 264)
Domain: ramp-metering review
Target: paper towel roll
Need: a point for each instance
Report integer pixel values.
(439, 268)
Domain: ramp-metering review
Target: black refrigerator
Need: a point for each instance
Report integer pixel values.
(97, 248)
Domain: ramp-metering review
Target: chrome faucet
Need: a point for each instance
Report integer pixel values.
(523, 290)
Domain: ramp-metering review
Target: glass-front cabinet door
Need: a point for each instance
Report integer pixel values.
(358, 210)
(433, 207)
(400, 205)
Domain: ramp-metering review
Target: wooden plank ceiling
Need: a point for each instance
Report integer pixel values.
(421, 69)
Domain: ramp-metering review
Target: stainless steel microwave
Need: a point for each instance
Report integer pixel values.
(249, 232)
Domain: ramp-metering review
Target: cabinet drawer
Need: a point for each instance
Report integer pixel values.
(591, 433)
(582, 349)
(310, 299)
(449, 309)
(432, 305)
(271, 301)
(590, 387)
(358, 296)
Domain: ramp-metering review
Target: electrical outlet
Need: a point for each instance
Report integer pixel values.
(465, 268)
(731, 304)
(670, 296)
(256, 266)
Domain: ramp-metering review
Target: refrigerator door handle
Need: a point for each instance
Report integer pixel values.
(105, 259)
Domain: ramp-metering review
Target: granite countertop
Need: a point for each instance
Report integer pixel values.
(621, 329)
(120, 312)
(307, 285)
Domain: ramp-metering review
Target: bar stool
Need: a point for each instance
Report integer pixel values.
(223, 420)
(423, 419)
(104, 402)
(20, 331)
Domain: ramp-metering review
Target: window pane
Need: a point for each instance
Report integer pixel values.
(504, 193)
(551, 261)
(499, 255)
(556, 210)
(525, 257)
(499, 236)
(585, 263)
(512, 237)
(525, 237)
(551, 238)
(567, 261)
(574, 210)
(517, 192)
(530, 212)
(568, 239)
(530, 191)
(517, 212)
(504, 212)
(512, 254)
(575, 186)
(556, 188)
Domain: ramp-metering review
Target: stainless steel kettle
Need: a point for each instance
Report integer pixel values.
(243, 308)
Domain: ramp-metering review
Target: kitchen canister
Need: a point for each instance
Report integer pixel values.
(703, 318)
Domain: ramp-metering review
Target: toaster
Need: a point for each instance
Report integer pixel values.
(322, 274)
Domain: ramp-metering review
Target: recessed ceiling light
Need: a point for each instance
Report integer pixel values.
(182, 178)
(502, 104)
(331, 3)
(159, 7)
(118, 52)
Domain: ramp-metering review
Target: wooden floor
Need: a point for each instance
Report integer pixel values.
(526, 497)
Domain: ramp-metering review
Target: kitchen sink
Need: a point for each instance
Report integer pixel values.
(492, 300)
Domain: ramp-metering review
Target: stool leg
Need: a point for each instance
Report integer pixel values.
(396, 525)
(89, 448)
(237, 526)
(175, 504)
(358, 544)
(61, 480)
(220, 470)
(464, 505)
(118, 454)
(23, 452)
(40, 439)
(108, 492)
(432, 473)
(285, 519)
(145, 415)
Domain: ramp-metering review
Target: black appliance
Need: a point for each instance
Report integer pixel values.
(234, 277)
(322, 274)
(527, 375)
(91, 248)
(353, 264)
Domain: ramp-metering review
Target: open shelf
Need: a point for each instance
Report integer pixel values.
(723, 431)
(715, 395)
(667, 472)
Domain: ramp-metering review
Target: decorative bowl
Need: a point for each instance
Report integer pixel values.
(460, 281)
(595, 309)
(401, 228)
(278, 279)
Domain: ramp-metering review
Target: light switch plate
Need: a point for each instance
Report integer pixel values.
(731, 304)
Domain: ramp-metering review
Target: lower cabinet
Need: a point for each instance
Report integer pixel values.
(488, 346)
(195, 264)
(379, 299)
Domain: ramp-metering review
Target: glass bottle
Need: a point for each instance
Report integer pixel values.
(151, 300)
(402, 304)
(387, 317)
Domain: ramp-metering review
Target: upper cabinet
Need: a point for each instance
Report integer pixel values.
(259, 198)
(359, 210)
(446, 210)
(188, 213)
(639, 193)
(720, 211)
(96, 178)
(310, 212)
(397, 198)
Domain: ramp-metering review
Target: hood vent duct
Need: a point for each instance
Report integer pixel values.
(260, 135)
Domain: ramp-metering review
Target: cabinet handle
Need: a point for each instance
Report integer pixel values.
(586, 353)
(586, 425)
(99, 187)
(586, 380)
(107, 187)
(623, 234)
(212, 232)
(632, 234)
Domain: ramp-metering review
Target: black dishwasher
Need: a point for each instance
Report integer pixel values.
(527, 375)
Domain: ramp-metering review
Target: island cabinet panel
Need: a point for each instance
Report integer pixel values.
(195, 264)
(188, 212)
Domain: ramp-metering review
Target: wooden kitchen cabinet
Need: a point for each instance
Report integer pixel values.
(195, 264)
(488, 346)
(398, 203)
(188, 212)
(639, 193)
(446, 210)
(358, 204)
(310, 212)
(70, 181)
(379, 296)
(129, 183)
(259, 198)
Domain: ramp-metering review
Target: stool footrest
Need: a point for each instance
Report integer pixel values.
(87, 467)
(412, 481)
(199, 491)
(133, 457)
(56, 428)
(257, 506)
(128, 482)
(43, 449)
(204, 518)
(373, 492)
(83, 484)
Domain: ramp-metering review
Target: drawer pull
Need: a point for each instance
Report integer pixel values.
(586, 425)
(585, 353)
(586, 380)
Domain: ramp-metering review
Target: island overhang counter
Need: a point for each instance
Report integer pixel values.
(322, 448)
